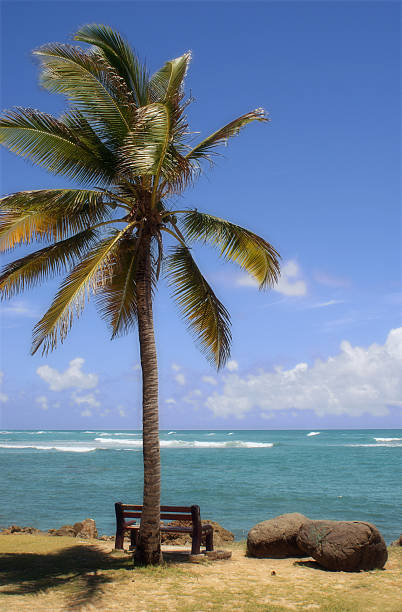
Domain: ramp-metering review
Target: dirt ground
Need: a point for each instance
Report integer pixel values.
(55, 574)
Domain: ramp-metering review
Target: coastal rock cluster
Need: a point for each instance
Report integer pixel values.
(85, 529)
(336, 545)
(221, 535)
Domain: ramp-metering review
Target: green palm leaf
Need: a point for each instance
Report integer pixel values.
(48, 214)
(236, 244)
(117, 298)
(206, 147)
(119, 55)
(50, 143)
(36, 267)
(167, 82)
(145, 147)
(207, 318)
(70, 300)
(92, 84)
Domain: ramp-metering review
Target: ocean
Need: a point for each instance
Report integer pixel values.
(238, 478)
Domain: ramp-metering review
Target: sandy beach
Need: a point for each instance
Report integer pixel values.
(57, 573)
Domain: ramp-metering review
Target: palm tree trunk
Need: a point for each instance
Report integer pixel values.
(148, 549)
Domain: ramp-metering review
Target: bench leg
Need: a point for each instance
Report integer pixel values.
(119, 540)
(209, 540)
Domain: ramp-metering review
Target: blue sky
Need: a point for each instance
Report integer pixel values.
(321, 182)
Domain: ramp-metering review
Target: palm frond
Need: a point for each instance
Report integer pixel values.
(207, 318)
(206, 147)
(91, 84)
(48, 214)
(116, 299)
(145, 147)
(36, 267)
(51, 144)
(236, 244)
(118, 54)
(167, 82)
(70, 300)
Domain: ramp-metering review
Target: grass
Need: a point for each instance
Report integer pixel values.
(50, 573)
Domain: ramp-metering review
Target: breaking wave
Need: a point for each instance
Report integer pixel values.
(188, 444)
(64, 449)
(313, 433)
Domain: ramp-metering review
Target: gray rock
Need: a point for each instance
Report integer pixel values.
(64, 531)
(347, 546)
(276, 538)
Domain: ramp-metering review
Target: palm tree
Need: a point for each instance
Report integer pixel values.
(125, 140)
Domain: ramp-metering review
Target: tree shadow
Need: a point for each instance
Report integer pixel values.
(77, 566)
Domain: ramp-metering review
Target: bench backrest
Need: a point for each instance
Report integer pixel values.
(170, 513)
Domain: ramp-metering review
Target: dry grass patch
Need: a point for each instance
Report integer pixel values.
(49, 573)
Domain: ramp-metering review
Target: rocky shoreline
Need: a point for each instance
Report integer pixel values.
(87, 529)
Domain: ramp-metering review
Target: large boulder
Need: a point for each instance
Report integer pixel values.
(347, 546)
(86, 529)
(221, 535)
(276, 538)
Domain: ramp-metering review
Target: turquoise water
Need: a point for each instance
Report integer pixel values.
(50, 478)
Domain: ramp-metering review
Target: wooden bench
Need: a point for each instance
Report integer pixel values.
(169, 513)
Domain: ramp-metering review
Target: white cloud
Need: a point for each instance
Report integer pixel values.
(86, 399)
(331, 281)
(357, 380)
(122, 412)
(86, 413)
(73, 377)
(329, 303)
(136, 367)
(170, 400)
(175, 367)
(43, 402)
(180, 379)
(289, 282)
(193, 397)
(3, 396)
(19, 309)
(232, 365)
(210, 380)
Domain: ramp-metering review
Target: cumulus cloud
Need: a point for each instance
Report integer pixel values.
(73, 377)
(210, 380)
(3, 396)
(43, 402)
(232, 365)
(170, 400)
(176, 367)
(180, 379)
(86, 399)
(357, 380)
(289, 284)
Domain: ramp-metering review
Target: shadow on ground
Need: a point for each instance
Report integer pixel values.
(79, 568)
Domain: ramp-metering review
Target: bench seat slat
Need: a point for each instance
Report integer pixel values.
(163, 508)
(174, 529)
(164, 516)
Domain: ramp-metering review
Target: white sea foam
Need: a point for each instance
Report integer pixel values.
(171, 432)
(188, 444)
(126, 434)
(210, 434)
(36, 433)
(5, 432)
(378, 445)
(388, 439)
(230, 433)
(64, 449)
(314, 433)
